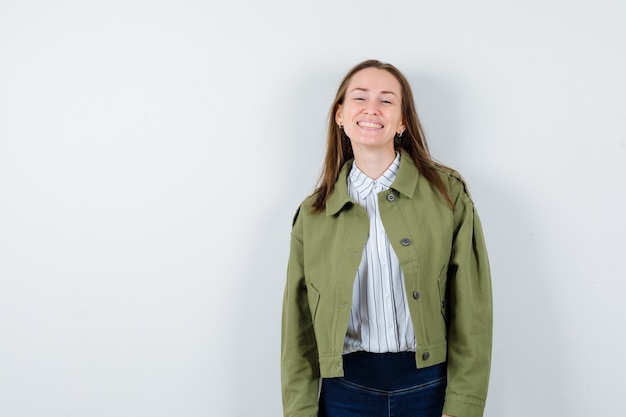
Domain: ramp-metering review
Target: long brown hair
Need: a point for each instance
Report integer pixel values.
(413, 140)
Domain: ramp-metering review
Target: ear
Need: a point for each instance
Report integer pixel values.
(403, 125)
(339, 115)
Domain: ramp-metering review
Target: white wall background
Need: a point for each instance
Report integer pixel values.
(152, 154)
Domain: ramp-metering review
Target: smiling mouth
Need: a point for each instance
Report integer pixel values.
(370, 125)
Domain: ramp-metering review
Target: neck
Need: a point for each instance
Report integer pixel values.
(374, 163)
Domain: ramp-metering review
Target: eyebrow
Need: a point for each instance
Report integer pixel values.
(367, 90)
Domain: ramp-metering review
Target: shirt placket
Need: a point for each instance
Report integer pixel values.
(385, 279)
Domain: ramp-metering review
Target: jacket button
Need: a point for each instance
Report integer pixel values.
(405, 242)
(391, 197)
(425, 356)
(416, 294)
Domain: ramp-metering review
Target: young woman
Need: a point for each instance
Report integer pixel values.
(388, 295)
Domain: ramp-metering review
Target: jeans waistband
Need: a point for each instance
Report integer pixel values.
(388, 371)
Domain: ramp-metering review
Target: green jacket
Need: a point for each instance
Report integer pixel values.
(444, 260)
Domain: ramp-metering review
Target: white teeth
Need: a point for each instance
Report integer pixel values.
(368, 124)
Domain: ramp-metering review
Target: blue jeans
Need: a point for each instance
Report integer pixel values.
(384, 385)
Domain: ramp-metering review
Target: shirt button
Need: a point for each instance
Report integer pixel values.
(391, 197)
(405, 242)
(425, 356)
(416, 294)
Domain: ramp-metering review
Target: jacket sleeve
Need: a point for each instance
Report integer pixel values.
(469, 310)
(299, 357)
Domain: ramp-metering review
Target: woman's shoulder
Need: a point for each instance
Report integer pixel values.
(306, 207)
(453, 179)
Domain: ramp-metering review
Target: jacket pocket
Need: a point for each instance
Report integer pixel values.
(314, 300)
(441, 283)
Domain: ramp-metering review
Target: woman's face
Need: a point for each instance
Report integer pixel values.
(371, 113)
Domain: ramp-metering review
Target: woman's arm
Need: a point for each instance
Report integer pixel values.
(299, 358)
(469, 309)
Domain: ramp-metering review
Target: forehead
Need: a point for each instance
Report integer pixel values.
(376, 80)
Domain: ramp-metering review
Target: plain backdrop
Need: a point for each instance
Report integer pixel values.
(152, 154)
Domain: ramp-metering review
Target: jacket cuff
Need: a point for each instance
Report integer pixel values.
(462, 406)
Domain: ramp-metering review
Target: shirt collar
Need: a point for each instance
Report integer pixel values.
(405, 183)
(364, 185)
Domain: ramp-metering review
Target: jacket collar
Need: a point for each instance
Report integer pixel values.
(405, 183)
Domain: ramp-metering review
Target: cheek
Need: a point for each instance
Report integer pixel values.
(394, 119)
(350, 111)
(399, 119)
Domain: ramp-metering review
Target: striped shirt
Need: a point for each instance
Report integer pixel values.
(380, 320)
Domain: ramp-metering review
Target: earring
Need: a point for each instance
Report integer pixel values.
(400, 134)
(340, 126)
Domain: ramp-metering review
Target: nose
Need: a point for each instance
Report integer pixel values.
(371, 108)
